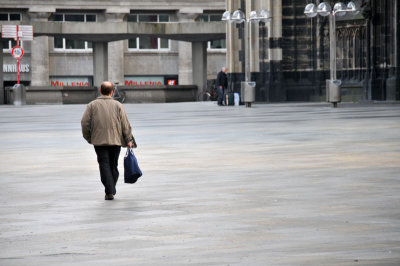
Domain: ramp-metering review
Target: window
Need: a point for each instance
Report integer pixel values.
(148, 42)
(10, 16)
(217, 44)
(68, 44)
(8, 44)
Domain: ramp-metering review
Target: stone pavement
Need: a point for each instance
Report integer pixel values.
(276, 184)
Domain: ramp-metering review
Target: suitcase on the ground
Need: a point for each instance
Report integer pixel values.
(229, 98)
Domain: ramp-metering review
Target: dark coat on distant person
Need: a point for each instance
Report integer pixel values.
(222, 80)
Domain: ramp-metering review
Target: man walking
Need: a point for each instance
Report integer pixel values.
(105, 125)
(222, 84)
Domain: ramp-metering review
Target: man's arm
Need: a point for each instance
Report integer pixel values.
(86, 124)
(127, 130)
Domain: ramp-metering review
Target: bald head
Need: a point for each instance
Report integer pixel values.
(106, 88)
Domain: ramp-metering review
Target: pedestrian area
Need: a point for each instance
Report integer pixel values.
(275, 184)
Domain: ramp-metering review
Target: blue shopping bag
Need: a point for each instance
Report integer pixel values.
(131, 167)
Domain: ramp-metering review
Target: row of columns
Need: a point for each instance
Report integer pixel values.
(108, 57)
(235, 42)
(108, 63)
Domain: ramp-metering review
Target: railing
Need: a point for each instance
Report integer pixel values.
(351, 52)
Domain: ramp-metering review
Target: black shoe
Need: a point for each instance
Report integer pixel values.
(109, 197)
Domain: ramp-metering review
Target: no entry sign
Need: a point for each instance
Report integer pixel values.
(17, 52)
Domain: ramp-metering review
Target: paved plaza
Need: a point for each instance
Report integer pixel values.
(275, 184)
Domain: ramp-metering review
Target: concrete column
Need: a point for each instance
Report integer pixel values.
(116, 69)
(185, 63)
(275, 26)
(40, 53)
(199, 65)
(100, 63)
(185, 49)
(233, 43)
(397, 45)
(275, 90)
(2, 92)
(393, 82)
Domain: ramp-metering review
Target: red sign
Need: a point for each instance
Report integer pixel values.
(17, 52)
(142, 83)
(69, 84)
(171, 82)
(19, 33)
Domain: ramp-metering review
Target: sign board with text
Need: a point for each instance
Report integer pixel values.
(12, 68)
(70, 82)
(25, 32)
(144, 80)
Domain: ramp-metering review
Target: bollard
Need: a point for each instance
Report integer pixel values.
(333, 91)
(248, 92)
(19, 95)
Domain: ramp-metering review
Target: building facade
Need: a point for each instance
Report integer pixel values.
(52, 60)
(186, 45)
(290, 54)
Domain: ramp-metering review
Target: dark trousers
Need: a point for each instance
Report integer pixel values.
(107, 157)
(220, 95)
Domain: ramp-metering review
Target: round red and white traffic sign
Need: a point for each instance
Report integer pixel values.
(17, 52)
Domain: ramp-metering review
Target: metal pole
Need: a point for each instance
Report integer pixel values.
(18, 71)
(17, 59)
(247, 50)
(332, 40)
(333, 86)
(250, 48)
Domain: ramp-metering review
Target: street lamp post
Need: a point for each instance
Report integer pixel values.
(247, 87)
(339, 9)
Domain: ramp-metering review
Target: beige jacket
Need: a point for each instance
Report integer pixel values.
(105, 123)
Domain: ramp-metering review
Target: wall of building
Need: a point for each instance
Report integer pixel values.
(291, 54)
(47, 64)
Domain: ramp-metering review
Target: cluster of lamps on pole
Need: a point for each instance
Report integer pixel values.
(247, 87)
(324, 9)
(311, 10)
(238, 16)
(339, 9)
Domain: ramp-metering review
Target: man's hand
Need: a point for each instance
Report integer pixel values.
(130, 144)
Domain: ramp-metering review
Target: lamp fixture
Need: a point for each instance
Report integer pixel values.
(324, 9)
(238, 16)
(310, 11)
(339, 9)
(226, 16)
(263, 16)
(351, 6)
